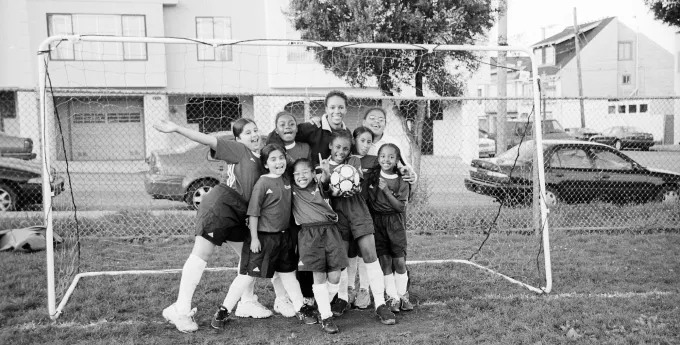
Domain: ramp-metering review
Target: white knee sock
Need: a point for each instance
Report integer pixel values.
(402, 282)
(390, 286)
(377, 282)
(249, 293)
(279, 289)
(363, 275)
(332, 290)
(342, 289)
(352, 272)
(292, 287)
(238, 286)
(321, 293)
(191, 276)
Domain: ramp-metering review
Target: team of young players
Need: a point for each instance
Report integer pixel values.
(327, 229)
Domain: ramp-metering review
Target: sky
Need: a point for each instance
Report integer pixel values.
(526, 17)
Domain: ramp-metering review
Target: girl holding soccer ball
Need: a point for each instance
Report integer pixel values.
(221, 216)
(388, 194)
(354, 222)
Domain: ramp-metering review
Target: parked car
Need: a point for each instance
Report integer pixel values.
(630, 137)
(16, 147)
(575, 171)
(21, 183)
(487, 144)
(522, 130)
(185, 173)
(589, 134)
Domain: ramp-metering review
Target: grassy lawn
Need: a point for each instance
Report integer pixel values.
(615, 288)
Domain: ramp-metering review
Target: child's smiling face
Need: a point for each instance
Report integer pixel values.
(363, 143)
(303, 175)
(276, 162)
(286, 128)
(250, 136)
(340, 149)
(387, 158)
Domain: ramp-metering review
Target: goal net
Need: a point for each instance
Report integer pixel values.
(129, 192)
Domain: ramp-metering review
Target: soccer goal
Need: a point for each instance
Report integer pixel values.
(129, 194)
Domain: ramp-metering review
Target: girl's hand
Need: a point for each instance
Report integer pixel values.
(255, 245)
(315, 120)
(325, 165)
(166, 126)
(408, 175)
(382, 184)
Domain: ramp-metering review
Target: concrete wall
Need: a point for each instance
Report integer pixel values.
(18, 62)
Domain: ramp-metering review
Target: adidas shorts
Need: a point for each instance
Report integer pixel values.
(268, 260)
(321, 248)
(390, 235)
(354, 226)
(221, 216)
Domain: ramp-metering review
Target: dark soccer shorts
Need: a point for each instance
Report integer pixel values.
(221, 216)
(272, 257)
(354, 225)
(321, 248)
(390, 235)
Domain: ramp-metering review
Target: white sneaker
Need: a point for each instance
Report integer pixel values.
(363, 299)
(252, 309)
(284, 306)
(184, 323)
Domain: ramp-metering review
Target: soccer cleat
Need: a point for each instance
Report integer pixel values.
(307, 315)
(339, 307)
(363, 299)
(406, 304)
(394, 304)
(385, 315)
(184, 323)
(352, 295)
(252, 309)
(220, 318)
(284, 306)
(328, 326)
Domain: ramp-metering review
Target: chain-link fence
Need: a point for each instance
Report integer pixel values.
(115, 176)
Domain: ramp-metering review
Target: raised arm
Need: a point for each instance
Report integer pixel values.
(166, 126)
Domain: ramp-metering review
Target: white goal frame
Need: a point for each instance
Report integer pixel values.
(54, 311)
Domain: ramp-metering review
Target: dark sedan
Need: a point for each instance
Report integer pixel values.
(16, 147)
(21, 183)
(630, 137)
(589, 134)
(575, 171)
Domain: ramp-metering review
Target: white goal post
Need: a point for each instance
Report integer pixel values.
(540, 209)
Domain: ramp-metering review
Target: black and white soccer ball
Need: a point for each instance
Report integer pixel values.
(344, 178)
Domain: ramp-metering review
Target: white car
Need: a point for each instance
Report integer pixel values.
(487, 145)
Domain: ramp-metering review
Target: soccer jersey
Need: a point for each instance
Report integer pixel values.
(353, 213)
(271, 203)
(318, 138)
(377, 197)
(367, 162)
(310, 206)
(296, 151)
(243, 168)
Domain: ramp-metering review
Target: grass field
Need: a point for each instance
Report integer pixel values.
(615, 288)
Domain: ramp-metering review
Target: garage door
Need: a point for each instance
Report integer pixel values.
(107, 129)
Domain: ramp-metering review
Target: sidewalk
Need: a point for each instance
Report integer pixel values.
(665, 148)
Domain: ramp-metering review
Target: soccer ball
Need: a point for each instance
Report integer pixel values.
(344, 178)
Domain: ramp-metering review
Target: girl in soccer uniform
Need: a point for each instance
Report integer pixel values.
(221, 215)
(387, 195)
(284, 135)
(363, 139)
(266, 250)
(354, 222)
(322, 250)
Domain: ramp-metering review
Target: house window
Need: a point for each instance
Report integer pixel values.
(625, 79)
(549, 55)
(479, 94)
(625, 50)
(8, 105)
(622, 109)
(612, 109)
(97, 24)
(218, 28)
(643, 108)
(632, 108)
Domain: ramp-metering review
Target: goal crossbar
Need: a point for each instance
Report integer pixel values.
(540, 209)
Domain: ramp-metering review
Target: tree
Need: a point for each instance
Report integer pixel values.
(667, 11)
(396, 21)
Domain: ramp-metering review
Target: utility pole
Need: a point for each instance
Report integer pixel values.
(578, 71)
(501, 78)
